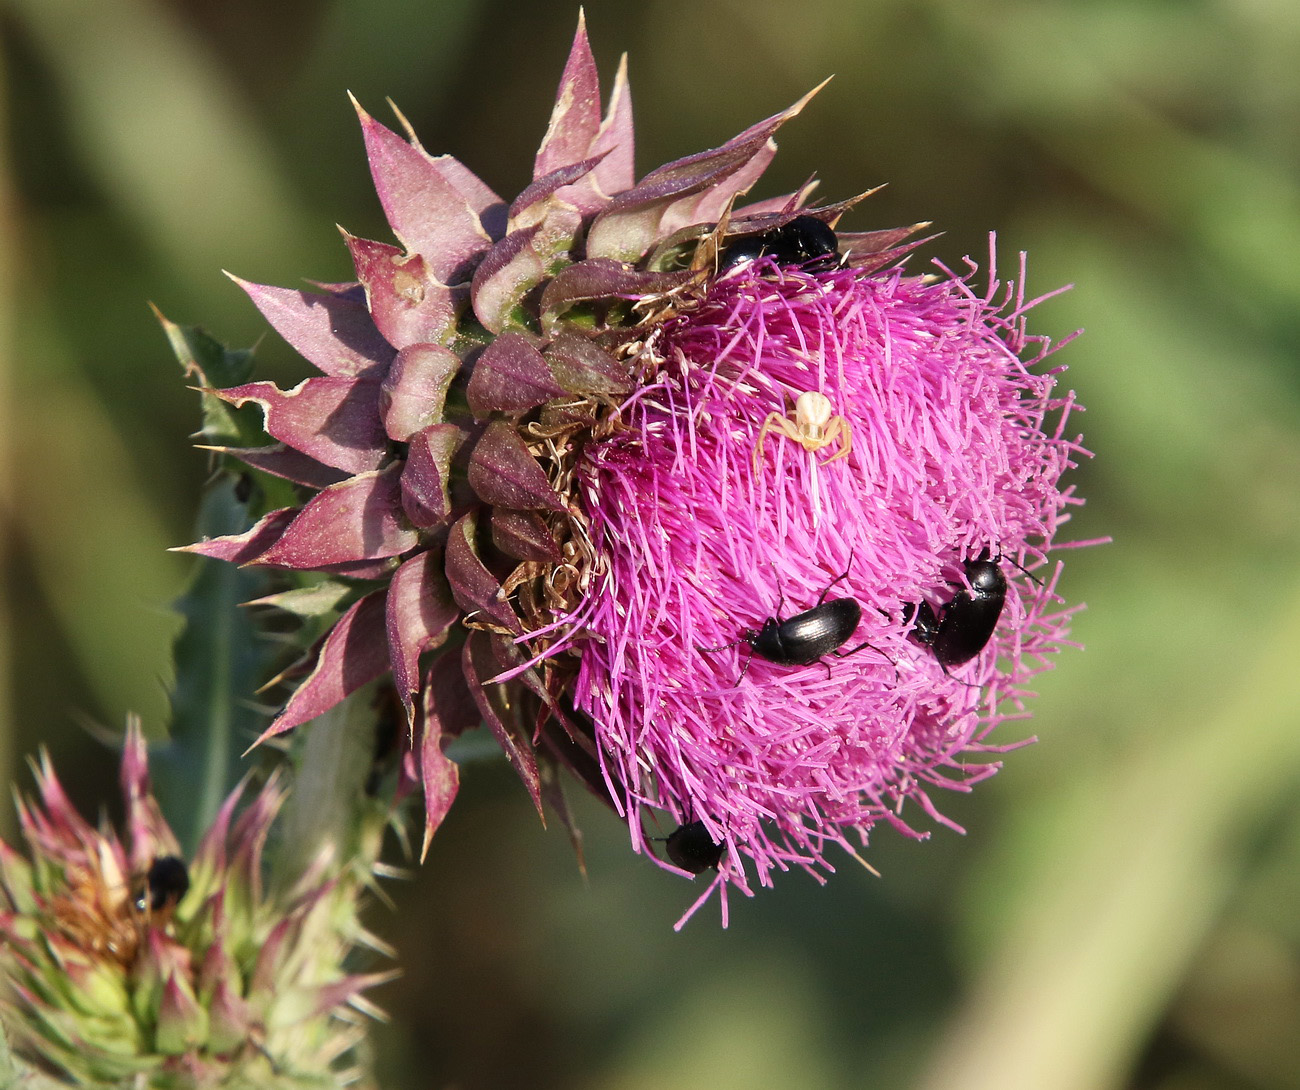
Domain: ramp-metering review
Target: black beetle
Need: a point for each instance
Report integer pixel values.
(804, 240)
(806, 637)
(962, 628)
(166, 883)
(691, 848)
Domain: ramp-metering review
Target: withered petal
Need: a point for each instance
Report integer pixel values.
(510, 268)
(601, 279)
(524, 535)
(420, 610)
(425, 480)
(575, 121)
(283, 461)
(245, 548)
(445, 710)
(615, 172)
(582, 367)
(632, 221)
(477, 590)
(354, 653)
(408, 304)
(534, 204)
(428, 213)
(481, 662)
(332, 419)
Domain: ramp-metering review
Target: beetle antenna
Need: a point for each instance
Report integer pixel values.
(953, 677)
(985, 554)
(739, 639)
(1024, 569)
(745, 669)
(743, 638)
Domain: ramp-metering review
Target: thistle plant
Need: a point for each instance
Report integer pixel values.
(708, 502)
(595, 467)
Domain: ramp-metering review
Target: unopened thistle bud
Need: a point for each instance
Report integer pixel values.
(121, 964)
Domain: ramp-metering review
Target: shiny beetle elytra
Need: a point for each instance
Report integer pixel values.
(806, 637)
(691, 848)
(963, 626)
(805, 239)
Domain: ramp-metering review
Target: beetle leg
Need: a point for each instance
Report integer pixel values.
(842, 575)
(745, 669)
(748, 658)
(953, 677)
(868, 643)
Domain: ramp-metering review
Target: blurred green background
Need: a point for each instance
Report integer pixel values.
(1125, 911)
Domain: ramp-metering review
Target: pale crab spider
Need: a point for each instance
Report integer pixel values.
(815, 425)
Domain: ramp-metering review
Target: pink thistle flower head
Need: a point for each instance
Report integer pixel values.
(708, 502)
(867, 453)
(121, 962)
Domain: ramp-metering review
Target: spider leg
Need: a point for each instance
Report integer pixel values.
(776, 422)
(839, 429)
(773, 419)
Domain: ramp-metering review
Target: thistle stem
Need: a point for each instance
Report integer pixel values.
(324, 817)
(220, 658)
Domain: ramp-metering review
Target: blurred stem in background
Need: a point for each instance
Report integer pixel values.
(1090, 949)
(10, 248)
(173, 146)
(327, 812)
(1083, 948)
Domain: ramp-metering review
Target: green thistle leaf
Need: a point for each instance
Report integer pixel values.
(209, 364)
(221, 659)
